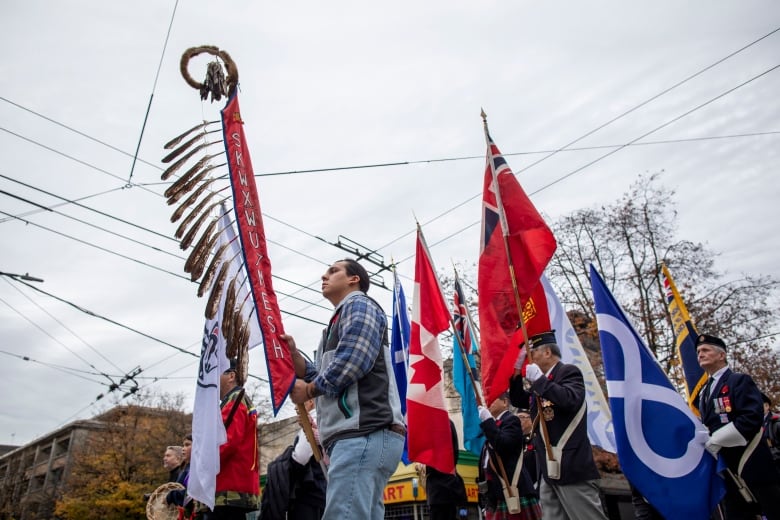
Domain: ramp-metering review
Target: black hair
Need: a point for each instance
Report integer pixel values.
(353, 268)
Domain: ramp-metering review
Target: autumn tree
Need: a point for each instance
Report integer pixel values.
(626, 242)
(117, 464)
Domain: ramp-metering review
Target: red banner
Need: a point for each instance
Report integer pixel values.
(510, 223)
(249, 220)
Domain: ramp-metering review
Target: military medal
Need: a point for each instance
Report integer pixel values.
(727, 404)
(547, 410)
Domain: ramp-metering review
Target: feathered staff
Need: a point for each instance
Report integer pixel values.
(199, 187)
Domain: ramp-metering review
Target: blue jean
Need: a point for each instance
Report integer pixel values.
(358, 473)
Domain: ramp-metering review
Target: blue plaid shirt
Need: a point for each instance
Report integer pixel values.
(361, 326)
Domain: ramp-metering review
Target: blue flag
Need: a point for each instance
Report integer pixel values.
(685, 340)
(399, 346)
(660, 441)
(473, 439)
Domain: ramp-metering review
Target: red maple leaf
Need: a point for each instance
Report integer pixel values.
(426, 372)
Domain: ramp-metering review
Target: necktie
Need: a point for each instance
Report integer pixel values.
(705, 394)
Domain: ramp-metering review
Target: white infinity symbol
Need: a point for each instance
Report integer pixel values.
(634, 391)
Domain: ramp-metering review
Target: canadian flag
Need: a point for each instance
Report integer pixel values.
(429, 436)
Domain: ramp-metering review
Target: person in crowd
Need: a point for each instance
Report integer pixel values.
(556, 393)
(172, 462)
(358, 407)
(176, 496)
(771, 429)
(445, 493)
(507, 489)
(296, 485)
(529, 454)
(238, 480)
(730, 405)
(643, 510)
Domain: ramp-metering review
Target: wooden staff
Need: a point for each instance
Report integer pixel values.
(464, 358)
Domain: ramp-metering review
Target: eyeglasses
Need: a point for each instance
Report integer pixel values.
(523, 416)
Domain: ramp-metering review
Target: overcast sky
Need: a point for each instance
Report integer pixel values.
(326, 86)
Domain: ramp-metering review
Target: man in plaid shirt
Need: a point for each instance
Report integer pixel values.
(358, 409)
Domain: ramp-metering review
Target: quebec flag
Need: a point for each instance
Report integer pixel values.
(660, 441)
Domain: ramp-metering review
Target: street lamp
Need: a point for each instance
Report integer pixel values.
(26, 277)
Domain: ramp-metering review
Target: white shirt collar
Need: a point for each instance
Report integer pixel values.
(716, 376)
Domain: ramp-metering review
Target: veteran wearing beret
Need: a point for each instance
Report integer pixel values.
(555, 392)
(731, 407)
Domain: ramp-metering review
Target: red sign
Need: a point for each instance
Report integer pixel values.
(249, 220)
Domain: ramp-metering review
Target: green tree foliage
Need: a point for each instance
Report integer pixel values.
(114, 467)
(627, 241)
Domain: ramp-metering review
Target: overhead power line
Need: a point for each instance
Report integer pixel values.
(82, 340)
(593, 131)
(581, 168)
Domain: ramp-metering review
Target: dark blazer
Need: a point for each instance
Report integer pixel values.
(292, 490)
(503, 438)
(444, 488)
(736, 399)
(565, 389)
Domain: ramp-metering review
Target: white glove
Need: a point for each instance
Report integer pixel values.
(728, 436)
(484, 414)
(302, 451)
(712, 448)
(533, 372)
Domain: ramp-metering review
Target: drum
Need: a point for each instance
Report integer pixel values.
(157, 508)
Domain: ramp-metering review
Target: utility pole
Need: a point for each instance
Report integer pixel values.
(368, 255)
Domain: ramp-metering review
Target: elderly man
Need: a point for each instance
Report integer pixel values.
(556, 394)
(358, 409)
(501, 465)
(731, 407)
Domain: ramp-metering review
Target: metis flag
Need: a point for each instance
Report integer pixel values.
(664, 459)
(208, 431)
(399, 347)
(515, 248)
(685, 340)
(429, 437)
(463, 370)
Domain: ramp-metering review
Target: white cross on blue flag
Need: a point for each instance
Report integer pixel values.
(660, 441)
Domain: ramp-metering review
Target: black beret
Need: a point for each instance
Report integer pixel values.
(233, 365)
(542, 339)
(765, 398)
(710, 340)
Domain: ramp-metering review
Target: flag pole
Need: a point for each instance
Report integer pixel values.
(452, 322)
(303, 417)
(477, 393)
(515, 290)
(504, 231)
(461, 341)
